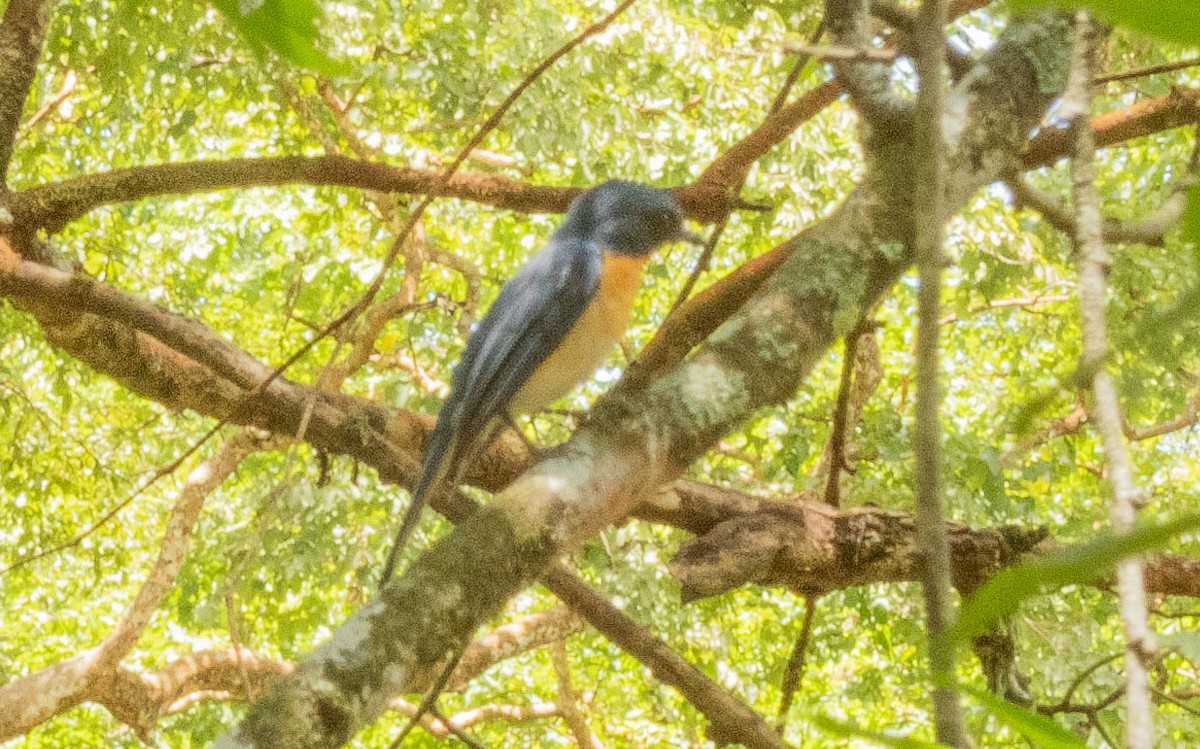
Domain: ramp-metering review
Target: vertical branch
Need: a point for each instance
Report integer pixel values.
(1105, 411)
(836, 446)
(927, 218)
(567, 699)
(794, 670)
(22, 31)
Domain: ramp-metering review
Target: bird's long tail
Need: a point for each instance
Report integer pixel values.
(441, 455)
(442, 466)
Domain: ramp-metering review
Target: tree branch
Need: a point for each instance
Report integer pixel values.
(793, 672)
(811, 548)
(730, 720)
(567, 700)
(1179, 108)
(140, 700)
(1150, 229)
(31, 700)
(22, 33)
(642, 440)
(55, 205)
(866, 78)
(1125, 75)
(929, 215)
(1105, 411)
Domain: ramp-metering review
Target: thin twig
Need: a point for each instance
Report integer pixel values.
(1168, 67)
(1079, 679)
(793, 672)
(70, 78)
(454, 729)
(430, 699)
(567, 700)
(1023, 302)
(837, 438)
(166, 470)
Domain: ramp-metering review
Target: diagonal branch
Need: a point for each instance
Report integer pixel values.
(1179, 108)
(731, 721)
(1150, 229)
(698, 317)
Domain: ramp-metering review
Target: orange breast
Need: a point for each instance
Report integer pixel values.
(587, 344)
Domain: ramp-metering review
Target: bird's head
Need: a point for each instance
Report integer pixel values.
(627, 218)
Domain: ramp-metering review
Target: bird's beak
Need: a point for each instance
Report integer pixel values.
(690, 237)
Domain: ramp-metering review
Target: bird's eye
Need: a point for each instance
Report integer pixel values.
(666, 217)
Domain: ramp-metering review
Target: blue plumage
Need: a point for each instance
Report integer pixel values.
(535, 313)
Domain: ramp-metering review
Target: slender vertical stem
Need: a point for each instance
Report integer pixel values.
(1105, 410)
(928, 216)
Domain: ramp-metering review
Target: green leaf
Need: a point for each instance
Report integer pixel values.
(1191, 222)
(286, 26)
(1001, 595)
(1041, 731)
(1177, 21)
(1186, 643)
(850, 731)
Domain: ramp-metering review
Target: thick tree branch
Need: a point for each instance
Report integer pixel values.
(22, 32)
(125, 350)
(53, 206)
(811, 548)
(708, 199)
(140, 700)
(867, 79)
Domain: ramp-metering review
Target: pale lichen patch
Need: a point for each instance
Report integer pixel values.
(534, 500)
(709, 393)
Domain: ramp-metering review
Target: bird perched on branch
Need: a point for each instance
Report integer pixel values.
(551, 326)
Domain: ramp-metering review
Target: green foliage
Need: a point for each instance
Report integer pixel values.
(850, 731)
(276, 561)
(287, 26)
(1041, 731)
(1176, 21)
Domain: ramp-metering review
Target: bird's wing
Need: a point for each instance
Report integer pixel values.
(531, 317)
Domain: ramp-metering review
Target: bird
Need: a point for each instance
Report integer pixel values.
(551, 326)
